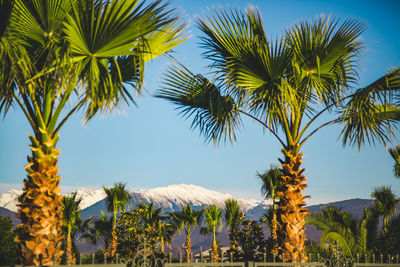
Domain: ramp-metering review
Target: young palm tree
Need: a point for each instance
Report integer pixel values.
(71, 55)
(213, 222)
(116, 199)
(233, 217)
(165, 231)
(385, 202)
(71, 216)
(395, 153)
(354, 237)
(187, 219)
(285, 85)
(96, 230)
(271, 182)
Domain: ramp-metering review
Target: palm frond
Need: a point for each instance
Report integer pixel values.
(216, 115)
(371, 113)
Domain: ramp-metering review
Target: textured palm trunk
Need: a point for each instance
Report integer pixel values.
(113, 245)
(214, 249)
(40, 208)
(162, 247)
(291, 211)
(274, 235)
(188, 250)
(68, 250)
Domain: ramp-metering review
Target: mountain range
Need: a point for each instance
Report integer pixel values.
(173, 198)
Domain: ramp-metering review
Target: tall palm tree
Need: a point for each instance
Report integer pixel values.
(233, 217)
(271, 182)
(285, 85)
(354, 237)
(386, 202)
(71, 55)
(395, 153)
(71, 216)
(116, 199)
(186, 220)
(213, 222)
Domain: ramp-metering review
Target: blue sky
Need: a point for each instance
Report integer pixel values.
(151, 145)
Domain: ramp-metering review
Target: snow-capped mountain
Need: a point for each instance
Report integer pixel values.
(9, 199)
(177, 196)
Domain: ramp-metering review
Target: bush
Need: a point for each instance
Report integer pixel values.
(8, 247)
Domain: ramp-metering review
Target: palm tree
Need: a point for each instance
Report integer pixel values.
(165, 231)
(385, 202)
(395, 153)
(271, 182)
(116, 199)
(71, 55)
(71, 216)
(353, 237)
(187, 219)
(100, 229)
(213, 222)
(233, 217)
(285, 85)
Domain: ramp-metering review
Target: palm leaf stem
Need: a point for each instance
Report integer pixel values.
(27, 113)
(64, 120)
(317, 129)
(264, 124)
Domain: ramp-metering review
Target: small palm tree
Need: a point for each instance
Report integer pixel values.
(213, 222)
(271, 183)
(395, 153)
(116, 199)
(98, 230)
(385, 202)
(187, 219)
(233, 217)
(354, 237)
(71, 216)
(165, 231)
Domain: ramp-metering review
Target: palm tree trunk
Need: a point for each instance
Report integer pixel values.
(291, 211)
(214, 249)
(188, 249)
(68, 249)
(113, 245)
(274, 228)
(40, 208)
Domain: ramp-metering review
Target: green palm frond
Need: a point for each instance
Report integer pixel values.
(213, 218)
(186, 219)
(271, 182)
(116, 197)
(233, 214)
(6, 7)
(371, 114)
(215, 115)
(395, 153)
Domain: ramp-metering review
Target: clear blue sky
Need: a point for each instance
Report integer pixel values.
(151, 146)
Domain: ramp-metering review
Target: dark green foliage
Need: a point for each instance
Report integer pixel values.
(389, 241)
(250, 237)
(8, 247)
(132, 230)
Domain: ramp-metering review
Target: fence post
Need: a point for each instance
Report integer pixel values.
(273, 257)
(80, 259)
(357, 258)
(283, 257)
(397, 258)
(54, 259)
(309, 257)
(170, 257)
(389, 258)
(373, 258)
(105, 258)
(92, 258)
(265, 256)
(210, 255)
(116, 258)
(180, 257)
(231, 255)
(366, 260)
(317, 257)
(381, 258)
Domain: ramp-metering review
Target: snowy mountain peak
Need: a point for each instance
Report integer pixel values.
(9, 199)
(177, 196)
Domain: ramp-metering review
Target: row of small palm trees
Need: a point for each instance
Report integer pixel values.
(165, 225)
